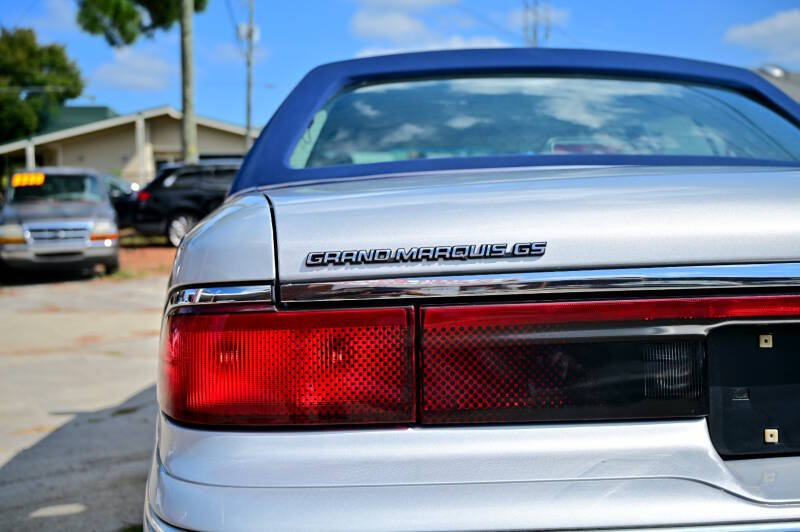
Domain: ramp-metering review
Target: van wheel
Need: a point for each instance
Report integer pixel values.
(178, 226)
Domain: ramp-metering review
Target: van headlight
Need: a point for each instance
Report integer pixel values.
(105, 230)
(12, 234)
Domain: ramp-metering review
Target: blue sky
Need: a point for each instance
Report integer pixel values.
(298, 35)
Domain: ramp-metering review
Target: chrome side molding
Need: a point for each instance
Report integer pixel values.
(714, 277)
(220, 294)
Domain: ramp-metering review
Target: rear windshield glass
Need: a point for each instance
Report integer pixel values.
(491, 116)
(54, 187)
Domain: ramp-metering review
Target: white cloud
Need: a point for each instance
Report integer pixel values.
(450, 43)
(406, 132)
(406, 5)
(393, 25)
(57, 16)
(464, 121)
(392, 86)
(228, 52)
(458, 20)
(137, 69)
(366, 109)
(590, 103)
(777, 35)
(477, 41)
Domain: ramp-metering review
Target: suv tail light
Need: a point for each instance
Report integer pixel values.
(289, 368)
(143, 195)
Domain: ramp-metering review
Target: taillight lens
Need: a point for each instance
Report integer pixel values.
(599, 312)
(143, 195)
(556, 361)
(289, 368)
(522, 362)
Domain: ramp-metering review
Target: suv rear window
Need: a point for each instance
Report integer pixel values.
(534, 115)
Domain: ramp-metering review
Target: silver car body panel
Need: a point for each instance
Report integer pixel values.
(591, 218)
(716, 229)
(234, 243)
(438, 478)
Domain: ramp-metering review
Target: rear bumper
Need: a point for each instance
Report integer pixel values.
(623, 475)
(152, 523)
(64, 257)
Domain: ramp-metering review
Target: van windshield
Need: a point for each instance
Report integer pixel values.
(34, 186)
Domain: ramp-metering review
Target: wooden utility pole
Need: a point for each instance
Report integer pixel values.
(189, 123)
(250, 37)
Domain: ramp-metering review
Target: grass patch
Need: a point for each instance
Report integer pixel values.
(124, 275)
(135, 240)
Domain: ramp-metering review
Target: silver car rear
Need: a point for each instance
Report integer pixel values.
(604, 243)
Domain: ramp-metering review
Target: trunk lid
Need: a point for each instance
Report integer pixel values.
(590, 217)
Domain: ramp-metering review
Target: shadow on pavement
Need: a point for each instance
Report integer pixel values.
(23, 277)
(87, 475)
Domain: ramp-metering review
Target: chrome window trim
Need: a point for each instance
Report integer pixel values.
(209, 295)
(666, 278)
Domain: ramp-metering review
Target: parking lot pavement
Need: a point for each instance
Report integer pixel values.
(77, 402)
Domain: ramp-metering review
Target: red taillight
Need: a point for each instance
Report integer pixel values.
(289, 368)
(619, 310)
(534, 362)
(143, 195)
(553, 361)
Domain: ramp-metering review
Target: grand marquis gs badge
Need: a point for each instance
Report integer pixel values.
(426, 253)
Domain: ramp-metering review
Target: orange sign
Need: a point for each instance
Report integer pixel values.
(27, 179)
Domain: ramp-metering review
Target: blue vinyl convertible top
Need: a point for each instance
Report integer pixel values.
(268, 160)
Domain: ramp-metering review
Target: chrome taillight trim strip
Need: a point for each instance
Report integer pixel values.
(674, 278)
(208, 295)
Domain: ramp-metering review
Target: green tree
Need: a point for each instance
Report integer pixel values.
(122, 22)
(34, 81)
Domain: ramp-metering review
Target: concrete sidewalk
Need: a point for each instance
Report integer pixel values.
(77, 402)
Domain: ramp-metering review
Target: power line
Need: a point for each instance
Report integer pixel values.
(563, 32)
(25, 13)
(488, 21)
(514, 35)
(235, 24)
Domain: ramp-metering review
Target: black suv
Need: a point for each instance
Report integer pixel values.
(180, 195)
